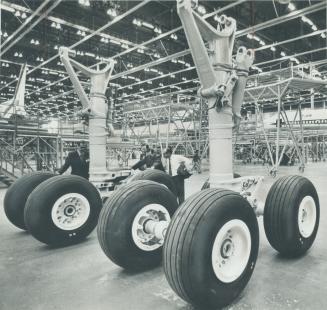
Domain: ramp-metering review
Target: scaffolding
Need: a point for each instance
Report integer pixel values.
(276, 88)
(175, 121)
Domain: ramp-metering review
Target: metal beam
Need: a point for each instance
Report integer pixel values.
(36, 12)
(160, 36)
(96, 32)
(30, 27)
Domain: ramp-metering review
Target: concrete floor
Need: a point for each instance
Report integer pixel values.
(34, 276)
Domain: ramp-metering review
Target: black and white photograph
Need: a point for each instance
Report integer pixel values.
(163, 155)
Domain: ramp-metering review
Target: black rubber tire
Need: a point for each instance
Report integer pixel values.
(188, 247)
(206, 184)
(281, 215)
(158, 176)
(116, 218)
(40, 203)
(17, 194)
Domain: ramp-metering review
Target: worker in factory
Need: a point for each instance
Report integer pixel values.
(78, 161)
(157, 158)
(179, 168)
(147, 159)
(196, 162)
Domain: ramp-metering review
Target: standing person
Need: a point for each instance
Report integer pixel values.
(78, 161)
(178, 167)
(158, 159)
(196, 161)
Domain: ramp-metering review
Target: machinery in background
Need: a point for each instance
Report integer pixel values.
(15, 107)
(209, 244)
(64, 209)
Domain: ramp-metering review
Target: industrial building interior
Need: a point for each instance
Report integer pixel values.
(163, 154)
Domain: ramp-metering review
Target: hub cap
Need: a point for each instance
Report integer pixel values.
(143, 240)
(231, 251)
(307, 216)
(70, 211)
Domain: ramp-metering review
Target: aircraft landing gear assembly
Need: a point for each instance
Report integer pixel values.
(209, 245)
(63, 210)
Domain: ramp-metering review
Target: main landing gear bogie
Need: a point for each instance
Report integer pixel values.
(209, 244)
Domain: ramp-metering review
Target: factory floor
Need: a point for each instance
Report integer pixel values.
(34, 276)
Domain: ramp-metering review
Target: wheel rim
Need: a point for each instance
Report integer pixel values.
(142, 239)
(70, 211)
(307, 216)
(231, 250)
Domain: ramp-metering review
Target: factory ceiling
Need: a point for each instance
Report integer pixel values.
(147, 43)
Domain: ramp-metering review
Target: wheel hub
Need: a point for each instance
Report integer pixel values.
(307, 216)
(227, 248)
(153, 214)
(70, 211)
(231, 250)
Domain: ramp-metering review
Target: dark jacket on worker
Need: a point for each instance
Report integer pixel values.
(79, 164)
(147, 161)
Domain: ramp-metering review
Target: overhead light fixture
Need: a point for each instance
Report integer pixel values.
(201, 9)
(5, 34)
(84, 2)
(35, 42)
(147, 25)
(81, 33)
(124, 45)
(256, 38)
(283, 54)
(314, 28)
(291, 6)
(104, 40)
(24, 15)
(273, 48)
(114, 42)
(157, 30)
(55, 25)
(17, 13)
(89, 54)
(112, 12)
(323, 36)
(137, 22)
(173, 36)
